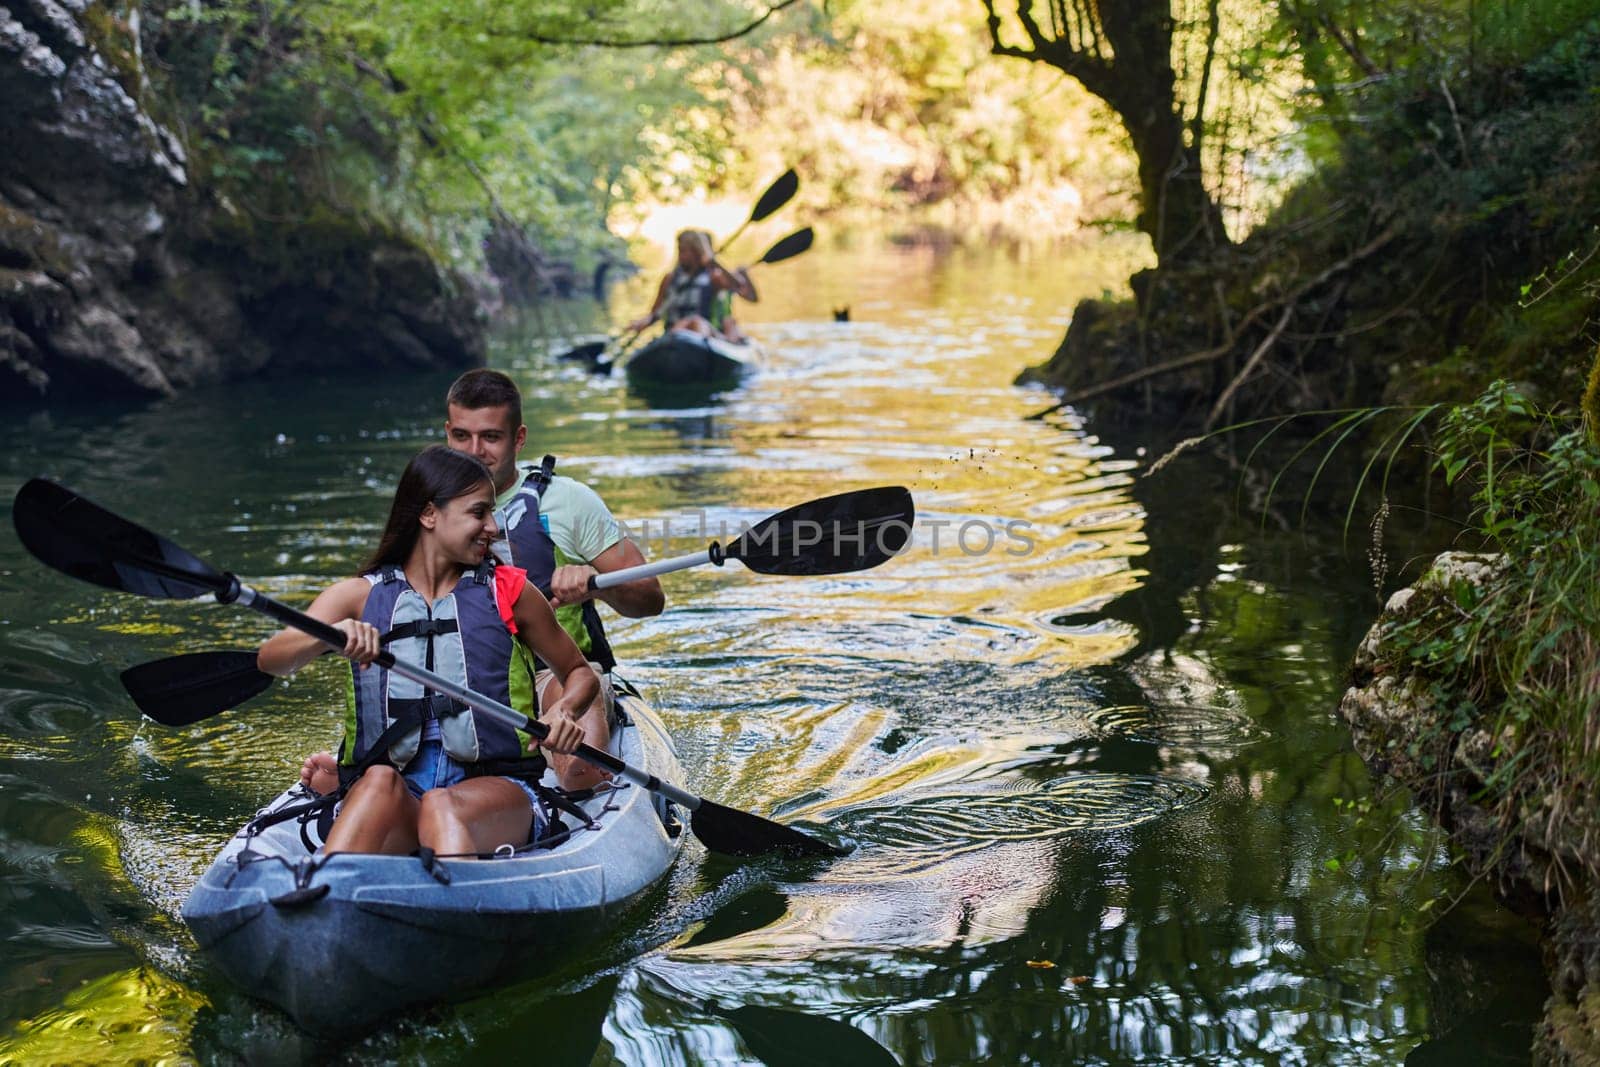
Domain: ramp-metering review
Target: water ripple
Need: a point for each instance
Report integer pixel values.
(41, 717)
(1179, 724)
(60, 936)
(1021, 810)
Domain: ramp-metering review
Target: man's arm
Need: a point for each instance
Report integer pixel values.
(589, 532)
(637, 599)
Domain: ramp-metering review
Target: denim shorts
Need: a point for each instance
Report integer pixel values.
(431, 768)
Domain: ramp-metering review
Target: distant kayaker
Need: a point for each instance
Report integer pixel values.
(687, 296)
(558, 530)
(722, 318)
(422, 769)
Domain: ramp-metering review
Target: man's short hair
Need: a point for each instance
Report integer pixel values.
(484, 388)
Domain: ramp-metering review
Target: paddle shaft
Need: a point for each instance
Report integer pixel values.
(802, 528)
(732, 237)
(83, 540)
(335, 638)
(624, 339)
(626, 346)
(650, 570)
(779, 193)
(785, 248)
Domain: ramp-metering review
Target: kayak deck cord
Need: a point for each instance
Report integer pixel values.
(302, 869)
(318, 806)
(306, 813)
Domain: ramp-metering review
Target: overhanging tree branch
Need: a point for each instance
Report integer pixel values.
(1197, 125)
(655, 42)
(1123, 52)
(1249, 367)
(1063, 53)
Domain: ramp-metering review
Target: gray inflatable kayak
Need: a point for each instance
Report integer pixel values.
(340, 942)
(682, 358)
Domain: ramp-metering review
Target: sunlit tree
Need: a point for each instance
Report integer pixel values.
(1123, 53)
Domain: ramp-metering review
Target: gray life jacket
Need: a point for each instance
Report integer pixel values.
(688, 294)
(463, 636)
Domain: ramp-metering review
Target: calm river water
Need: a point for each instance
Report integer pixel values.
(1081, 736)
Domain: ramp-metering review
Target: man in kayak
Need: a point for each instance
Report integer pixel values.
(569, 535)
(687, 296)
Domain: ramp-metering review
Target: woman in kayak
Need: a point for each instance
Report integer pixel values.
(722, 320)
(687, 296)
(426, 770)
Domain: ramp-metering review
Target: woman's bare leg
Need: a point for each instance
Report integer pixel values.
(477, 815)
(379, 815)
(694, 324)
(572, 772)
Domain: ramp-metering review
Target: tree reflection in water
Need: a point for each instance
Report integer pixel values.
(1272, 908)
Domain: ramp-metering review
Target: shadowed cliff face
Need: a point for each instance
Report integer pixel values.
(118, 276)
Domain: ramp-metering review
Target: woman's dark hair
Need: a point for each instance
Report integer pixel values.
(436, 475)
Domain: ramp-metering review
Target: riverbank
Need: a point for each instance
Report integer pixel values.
(1453, 242)
(1478, 690)
(1455, 245)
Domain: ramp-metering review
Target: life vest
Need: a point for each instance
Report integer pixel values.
(721, 308)
(688, 293)
(527, 544)
(464, 637)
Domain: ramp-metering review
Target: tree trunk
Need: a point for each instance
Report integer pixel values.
(1122, 53)
(1176, 211)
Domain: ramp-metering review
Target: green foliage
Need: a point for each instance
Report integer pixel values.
(431, 118)
(894, 108)
(1509, 664)
(1433, 128)
(1455, 128)
(1591, 402)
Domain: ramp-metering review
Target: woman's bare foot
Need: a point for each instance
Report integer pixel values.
(320, 773)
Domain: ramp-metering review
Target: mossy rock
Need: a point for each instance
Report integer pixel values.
(28, 244)
(112, 38)
(326, 247)
(1570, 1032)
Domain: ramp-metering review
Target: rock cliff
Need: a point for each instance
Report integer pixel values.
(119, 275)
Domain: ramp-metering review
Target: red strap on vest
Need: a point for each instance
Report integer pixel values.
(508, 584)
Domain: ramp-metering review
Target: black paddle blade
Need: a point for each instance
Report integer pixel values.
(739, 833)
(588, 352)
(778, 194)
(831, 535)
(81, 539)
(790, 246)
(779, 1037)
(181, 690)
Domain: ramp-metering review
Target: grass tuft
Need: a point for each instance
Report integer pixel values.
(1510, 662)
